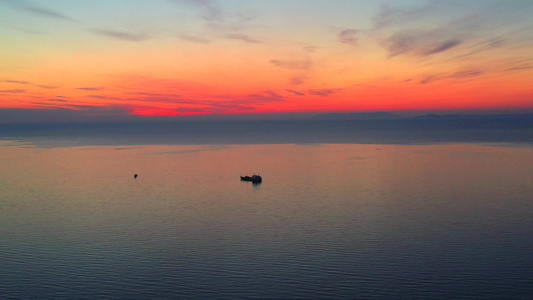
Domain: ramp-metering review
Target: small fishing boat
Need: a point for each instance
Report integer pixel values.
(254, 178)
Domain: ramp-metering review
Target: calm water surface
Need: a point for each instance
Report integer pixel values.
(329, 221)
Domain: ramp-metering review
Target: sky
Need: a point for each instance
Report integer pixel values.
(171, 58)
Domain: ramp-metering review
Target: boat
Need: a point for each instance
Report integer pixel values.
(254, 178)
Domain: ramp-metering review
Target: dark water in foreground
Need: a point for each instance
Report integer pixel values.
(329, 221)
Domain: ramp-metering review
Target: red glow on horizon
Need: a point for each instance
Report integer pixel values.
(152, 112)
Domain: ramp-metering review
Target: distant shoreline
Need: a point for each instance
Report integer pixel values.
(429, 129)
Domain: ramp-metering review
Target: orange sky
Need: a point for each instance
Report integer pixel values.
(188, 57)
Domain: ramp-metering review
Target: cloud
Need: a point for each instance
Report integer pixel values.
(348, 36)
(310, 48)
(292, 64)
(165, 98)
(90, 88)
(178, 94)
(49, 13)
(45, 104)
(39, 11)
(485, 46)
(122, 35)
(393, 16)
(431, 78)
(438, 13)
(466, 74)
(44, 86)
(440, 47)
(434, 27)
(242, 37)
(219, 22)
(494, 43)
(14, 91)
(104, 97)
(154, 94)
(385, 16)
(212, 12)
(268, 96)
(323, 92)
(149, 104)
(215, 17)
(456, 75)
(240, 103)
(295, 92)
(208, 105)
(419, 43)
(17, 81)
(298, 79)
(520, 67)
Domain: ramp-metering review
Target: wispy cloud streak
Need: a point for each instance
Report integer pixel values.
(292, 64)
(348, 36)
(419, 43)
(39, 11)
(323, 92)
(48, 13)
(242, 37)
(17, 81)
(122, 35)
(90, 88)
(13, 91)
(295, 92)
(44, 86)
(456, 75)
(451, 29)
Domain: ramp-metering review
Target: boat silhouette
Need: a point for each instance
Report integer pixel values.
(254, 178)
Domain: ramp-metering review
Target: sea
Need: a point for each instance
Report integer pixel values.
(345, 211)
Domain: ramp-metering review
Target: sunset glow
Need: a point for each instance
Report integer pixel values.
(208, 57)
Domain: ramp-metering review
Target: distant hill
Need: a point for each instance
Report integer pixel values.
(430, 117)
(358, 116)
